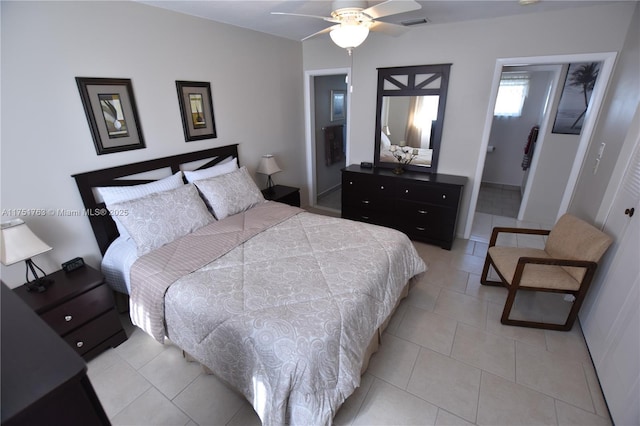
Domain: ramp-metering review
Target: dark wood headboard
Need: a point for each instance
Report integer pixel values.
(104, 228)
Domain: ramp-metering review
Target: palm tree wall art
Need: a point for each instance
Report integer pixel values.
(574, 101)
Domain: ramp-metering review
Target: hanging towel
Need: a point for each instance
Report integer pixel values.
(530, 147)
(333, 144)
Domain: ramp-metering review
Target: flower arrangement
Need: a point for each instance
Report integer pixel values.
(404, 155)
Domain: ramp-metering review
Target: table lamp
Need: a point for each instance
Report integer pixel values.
(268, 166)
(20, 243)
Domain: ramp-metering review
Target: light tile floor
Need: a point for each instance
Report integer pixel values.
(331, 200)
(502, 200)
(445, 359)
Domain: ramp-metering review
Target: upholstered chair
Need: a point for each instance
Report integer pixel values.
(566, 265)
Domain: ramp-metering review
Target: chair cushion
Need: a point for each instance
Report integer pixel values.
(506, 259)
(575, 239)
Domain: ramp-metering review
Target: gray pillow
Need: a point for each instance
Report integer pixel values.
(160, 218)
(117, 194)
(230, 193)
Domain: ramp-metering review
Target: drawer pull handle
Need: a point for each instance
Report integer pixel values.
(406, 191)
(423, 211)
(419, 228)
(365, 201)
(68, 318)
(350, 182)
(365, 217)
(444, 197)
(80, 344)
(382, 187)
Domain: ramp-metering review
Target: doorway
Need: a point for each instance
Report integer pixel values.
(327, 136)
(522, 106)
(546, 211)
(330, 93)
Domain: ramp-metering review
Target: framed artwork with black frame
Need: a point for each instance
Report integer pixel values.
(111, 111)
(579, 83)
(196, 108)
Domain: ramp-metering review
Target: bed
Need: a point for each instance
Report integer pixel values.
(284, 305)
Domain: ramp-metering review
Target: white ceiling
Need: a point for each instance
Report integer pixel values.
(256, 14)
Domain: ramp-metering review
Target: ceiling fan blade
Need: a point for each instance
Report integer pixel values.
(391, 7)
(325, 31)
(325, 18)
(388, 28)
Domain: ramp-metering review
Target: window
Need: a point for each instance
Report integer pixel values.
(512, 92)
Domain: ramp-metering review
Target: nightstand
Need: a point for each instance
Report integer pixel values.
(79, 307)
(283, 194)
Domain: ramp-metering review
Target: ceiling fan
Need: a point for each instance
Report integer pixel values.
(354, 19)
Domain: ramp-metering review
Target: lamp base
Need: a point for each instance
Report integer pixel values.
(40, 285)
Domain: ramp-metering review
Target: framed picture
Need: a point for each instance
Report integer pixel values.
(196, 108)
(338, 105)
(112, 114)
(574, 101)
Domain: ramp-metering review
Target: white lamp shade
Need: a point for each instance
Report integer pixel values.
(349, 35)
(268, 165)
(19, 243)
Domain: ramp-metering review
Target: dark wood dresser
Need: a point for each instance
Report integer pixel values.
(79, 306)
(44, 381)
(422, 205)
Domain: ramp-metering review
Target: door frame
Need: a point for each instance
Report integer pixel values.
(309, 125)
(595, 103)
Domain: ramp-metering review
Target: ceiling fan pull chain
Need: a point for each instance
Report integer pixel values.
(350, 51)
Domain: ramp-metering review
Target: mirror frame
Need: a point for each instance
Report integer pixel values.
(412, 89)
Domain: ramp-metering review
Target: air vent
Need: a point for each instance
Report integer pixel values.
(412, 22)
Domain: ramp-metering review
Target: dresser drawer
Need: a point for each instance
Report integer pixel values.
(79, 310)
(364, 215)
(434, 194)
(426, 220)
(424, 214)
(95, 332)
(360, 189)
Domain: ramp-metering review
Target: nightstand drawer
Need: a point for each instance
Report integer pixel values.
(77, 311)
(92, 334)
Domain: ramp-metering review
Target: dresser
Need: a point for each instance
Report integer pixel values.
(79, 307)
(422, 205)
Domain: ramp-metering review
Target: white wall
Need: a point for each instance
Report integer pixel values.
(473, 48)
(256, 83)
(618, 109)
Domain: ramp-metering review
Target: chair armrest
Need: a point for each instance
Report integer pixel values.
(557, 262)
(499, 229)
(517, 275)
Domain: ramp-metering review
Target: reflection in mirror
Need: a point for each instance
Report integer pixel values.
(408, 121)
(410, 113)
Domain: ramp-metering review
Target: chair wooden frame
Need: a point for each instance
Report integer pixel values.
(590, 268)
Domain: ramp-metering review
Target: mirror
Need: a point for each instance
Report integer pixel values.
(409, 116)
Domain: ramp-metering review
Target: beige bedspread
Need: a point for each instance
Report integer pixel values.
(285, 316)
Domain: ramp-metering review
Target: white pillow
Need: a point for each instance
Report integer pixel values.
(117, 194)
(227, 165)
(160, 218)
(230, 193)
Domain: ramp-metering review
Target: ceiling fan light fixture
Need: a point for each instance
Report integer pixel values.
(349, 36)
